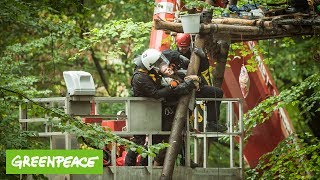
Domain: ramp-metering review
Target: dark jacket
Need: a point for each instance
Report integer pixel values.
(148, 84)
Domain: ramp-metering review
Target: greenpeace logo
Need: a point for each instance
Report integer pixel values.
(54, 162)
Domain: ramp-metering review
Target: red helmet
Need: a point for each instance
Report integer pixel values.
(183, 40)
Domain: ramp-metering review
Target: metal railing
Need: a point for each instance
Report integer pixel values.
(133, 109)
(235, 129)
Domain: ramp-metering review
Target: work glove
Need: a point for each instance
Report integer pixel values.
(195, 80)
(184, 60)
(200, 53)
(184, 88)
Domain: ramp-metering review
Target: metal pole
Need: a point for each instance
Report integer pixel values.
(205, 139)
(241, 138)
(128, 111)
(187, 148)
(195, 140)
(230, 118)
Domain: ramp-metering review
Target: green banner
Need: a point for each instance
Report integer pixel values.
(54, 162)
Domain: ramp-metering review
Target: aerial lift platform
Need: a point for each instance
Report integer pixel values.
(142, 116)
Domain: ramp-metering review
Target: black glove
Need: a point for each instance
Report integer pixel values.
(200, 53)
(184, 60)
(164, 92)
(184, 88)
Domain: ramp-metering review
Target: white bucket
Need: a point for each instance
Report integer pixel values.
(190, 23)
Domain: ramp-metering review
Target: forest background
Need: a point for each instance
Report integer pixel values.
(41, 39)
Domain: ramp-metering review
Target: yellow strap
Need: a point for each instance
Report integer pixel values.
(153, 76)
(143, 71)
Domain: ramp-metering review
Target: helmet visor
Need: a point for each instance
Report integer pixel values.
(162, 61)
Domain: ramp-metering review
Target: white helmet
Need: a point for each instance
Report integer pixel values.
(153, 58)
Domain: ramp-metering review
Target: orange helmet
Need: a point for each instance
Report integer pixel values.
(183, 40)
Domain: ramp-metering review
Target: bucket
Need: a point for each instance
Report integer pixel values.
(190, 23)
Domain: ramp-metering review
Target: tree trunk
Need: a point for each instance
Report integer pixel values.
(100, 70)
(254, 32)
(180, 118)
(242, 22)
(218, 73)
(84, 28)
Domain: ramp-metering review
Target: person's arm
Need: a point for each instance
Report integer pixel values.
(184, 60)
(185, 87)
(144, 86)
(204, 62)
(176, 58)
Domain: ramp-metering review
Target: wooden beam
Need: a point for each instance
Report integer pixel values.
(256, 38)
(298, 22)
(242, 22)
(248, 31)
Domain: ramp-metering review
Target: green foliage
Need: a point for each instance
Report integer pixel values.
(239, 52)
(41, 39)
(95, 136)
(54, 37)
(11, 136)
(292, 59)
(127, 33)
(38, 39)
(119, 42)
(193, 6)
(190, 4)
(295, 95)
(218, 11)
(296, 157)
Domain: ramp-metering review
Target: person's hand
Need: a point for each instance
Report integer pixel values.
(195, 80)
(200, 52)
(185, 87)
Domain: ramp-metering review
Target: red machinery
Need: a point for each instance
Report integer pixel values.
(266, 136)
(165, 10)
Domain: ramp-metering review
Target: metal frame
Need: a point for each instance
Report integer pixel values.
(205, 135)
(65, 102)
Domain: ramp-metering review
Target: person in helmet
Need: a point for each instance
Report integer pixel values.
(203, 91)
(146, 82)
(183, 42)
(179, 60)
